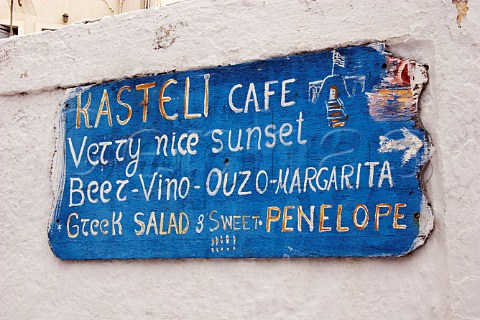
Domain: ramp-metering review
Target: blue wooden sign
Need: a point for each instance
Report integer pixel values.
(311, 155)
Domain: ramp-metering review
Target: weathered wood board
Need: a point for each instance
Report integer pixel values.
(312, 155)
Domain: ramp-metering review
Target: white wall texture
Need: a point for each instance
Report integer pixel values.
(441, 280)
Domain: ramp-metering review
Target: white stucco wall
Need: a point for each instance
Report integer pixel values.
(438, 281)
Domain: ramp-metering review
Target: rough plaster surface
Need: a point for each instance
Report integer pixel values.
(439, 281)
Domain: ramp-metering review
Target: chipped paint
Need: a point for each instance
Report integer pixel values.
(166, 35)
(462, 9)
(396, 98)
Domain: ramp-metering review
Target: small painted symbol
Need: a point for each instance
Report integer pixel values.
(333, 88)
(220, 243)
(410, 143)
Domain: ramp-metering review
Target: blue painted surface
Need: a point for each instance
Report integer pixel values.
(316, 144)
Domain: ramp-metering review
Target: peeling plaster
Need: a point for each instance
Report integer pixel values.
(166, 35)
(462, 9)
